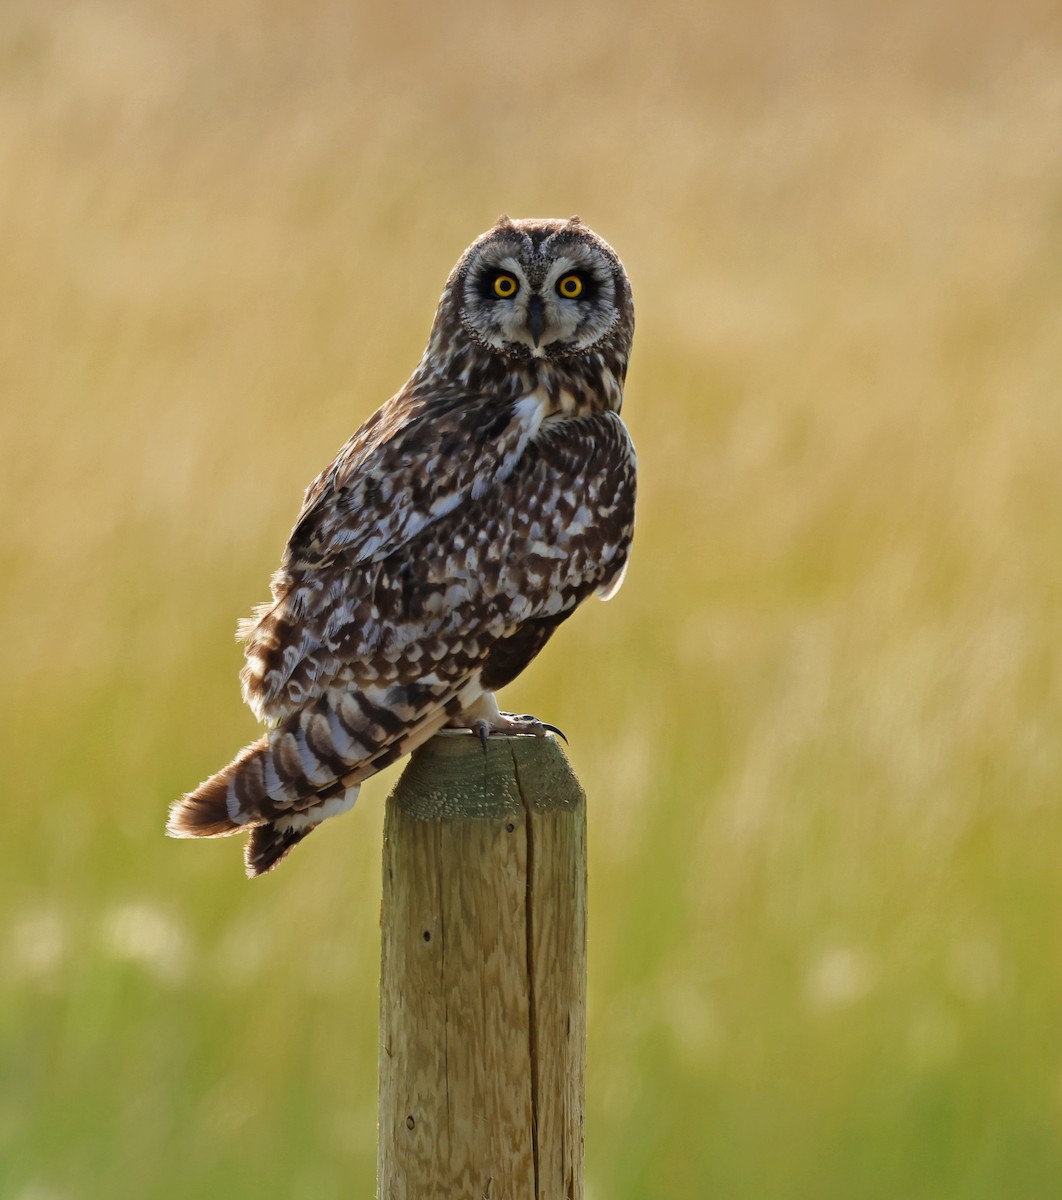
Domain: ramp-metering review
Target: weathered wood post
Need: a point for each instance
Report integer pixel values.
(483, 974)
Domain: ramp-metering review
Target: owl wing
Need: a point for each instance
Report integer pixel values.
(343, 598)
(411, 464)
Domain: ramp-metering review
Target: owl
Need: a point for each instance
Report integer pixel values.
(453, 533)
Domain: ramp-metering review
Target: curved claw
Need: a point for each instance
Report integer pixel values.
(539, 728)
(482, 730)
(509, 725)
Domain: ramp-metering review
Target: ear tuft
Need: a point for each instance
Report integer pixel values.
(503, 221)
(574, 220)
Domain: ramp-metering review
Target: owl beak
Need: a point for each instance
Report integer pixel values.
(536, 318)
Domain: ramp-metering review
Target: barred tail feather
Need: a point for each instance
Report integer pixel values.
(269, 843)
(307, 768)
(206, 812)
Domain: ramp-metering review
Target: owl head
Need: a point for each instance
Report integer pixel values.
(543, 289)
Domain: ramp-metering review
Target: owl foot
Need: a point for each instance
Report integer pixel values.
(511, 725)
(484, 718)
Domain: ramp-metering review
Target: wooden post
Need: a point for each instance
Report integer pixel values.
(483, 974)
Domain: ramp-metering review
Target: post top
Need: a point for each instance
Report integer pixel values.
(454, 777)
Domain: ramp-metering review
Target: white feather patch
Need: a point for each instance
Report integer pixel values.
(610, 589)
(310, 817)
(528, 413)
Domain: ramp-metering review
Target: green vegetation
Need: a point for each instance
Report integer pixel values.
(819, 727)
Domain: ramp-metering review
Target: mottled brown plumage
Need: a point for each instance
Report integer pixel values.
(449, 538)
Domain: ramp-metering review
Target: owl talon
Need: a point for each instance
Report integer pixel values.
(504, 724)
(540, 728)
(527, 723)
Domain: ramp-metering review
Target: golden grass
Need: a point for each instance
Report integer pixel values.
(819, 726)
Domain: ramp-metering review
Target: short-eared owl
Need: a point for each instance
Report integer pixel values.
(450, 537)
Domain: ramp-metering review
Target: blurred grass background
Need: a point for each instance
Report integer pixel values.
(819, 727)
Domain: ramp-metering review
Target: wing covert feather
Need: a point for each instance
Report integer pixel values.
(403, 470)
(542, 519)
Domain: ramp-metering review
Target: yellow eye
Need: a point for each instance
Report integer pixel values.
(570, 287)
(505, 285)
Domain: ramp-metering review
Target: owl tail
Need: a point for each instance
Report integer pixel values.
(270, 842)
(306, 769)
(215, 810)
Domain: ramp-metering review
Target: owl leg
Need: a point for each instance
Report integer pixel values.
(484, 718)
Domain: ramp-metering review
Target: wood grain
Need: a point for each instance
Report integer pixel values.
(483, 974)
